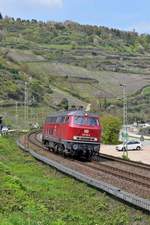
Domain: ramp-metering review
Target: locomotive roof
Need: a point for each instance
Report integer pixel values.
(74, 113)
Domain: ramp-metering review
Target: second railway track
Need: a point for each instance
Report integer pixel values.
(124, 176)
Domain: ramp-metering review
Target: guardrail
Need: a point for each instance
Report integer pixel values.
(127, 197)
(138, 136)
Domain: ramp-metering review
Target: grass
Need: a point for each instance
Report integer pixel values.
(146, 91)
(32, 194)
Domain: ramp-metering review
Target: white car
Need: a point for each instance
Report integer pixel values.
(130, 145)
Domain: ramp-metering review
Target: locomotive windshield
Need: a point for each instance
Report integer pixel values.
(89, 121)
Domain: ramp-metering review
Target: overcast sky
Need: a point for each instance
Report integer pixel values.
(122, 14)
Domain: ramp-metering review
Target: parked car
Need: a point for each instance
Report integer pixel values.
(130, 145)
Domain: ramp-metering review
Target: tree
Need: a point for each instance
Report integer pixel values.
(18, 20)
(2, 34)
(33, 21)
(64, 104)
(111, 128)
(1, 17)
(105, 103)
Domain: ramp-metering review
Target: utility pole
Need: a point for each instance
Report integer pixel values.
(16, 115)
(26, 105)
(125, 119)
(1, 102)
(26, 122)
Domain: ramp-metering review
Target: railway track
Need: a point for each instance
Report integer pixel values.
(106, 157)
(124, 176)
(115, 170)
(132, 173)
(125, 162)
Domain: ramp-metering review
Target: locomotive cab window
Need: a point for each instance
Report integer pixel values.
(60, 119)
(51, 119)
(89, 121)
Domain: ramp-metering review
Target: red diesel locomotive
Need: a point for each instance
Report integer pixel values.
(74, 133)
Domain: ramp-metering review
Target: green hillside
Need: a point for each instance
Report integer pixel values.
(79, 62)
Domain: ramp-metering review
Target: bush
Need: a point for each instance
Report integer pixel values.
(111, 128)
(64, 104)
(125, 157)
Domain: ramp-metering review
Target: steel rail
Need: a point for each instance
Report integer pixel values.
(114, 158)
(128, 175)
(124, 175)
(132, 163)
(127, 197)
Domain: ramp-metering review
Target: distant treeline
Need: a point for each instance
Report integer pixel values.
(70, 32)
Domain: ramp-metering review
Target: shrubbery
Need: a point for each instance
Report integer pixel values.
(111, 128)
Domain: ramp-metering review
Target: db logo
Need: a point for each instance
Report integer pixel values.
(86, 131)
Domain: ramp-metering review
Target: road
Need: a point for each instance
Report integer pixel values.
(145, 142)
(140, 156)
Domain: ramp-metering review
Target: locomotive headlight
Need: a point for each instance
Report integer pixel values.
(75, 137)
(95, 139)
(75, 146)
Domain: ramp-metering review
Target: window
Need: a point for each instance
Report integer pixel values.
(89, 121)
(136, 142)
(60, 119)
(51, 119)
(66, 119)
(92, 121)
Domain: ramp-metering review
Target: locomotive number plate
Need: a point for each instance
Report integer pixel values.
(86, 131)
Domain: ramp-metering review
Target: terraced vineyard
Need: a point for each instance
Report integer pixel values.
(82, 64)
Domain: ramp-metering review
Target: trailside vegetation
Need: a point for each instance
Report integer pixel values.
(111, 128)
